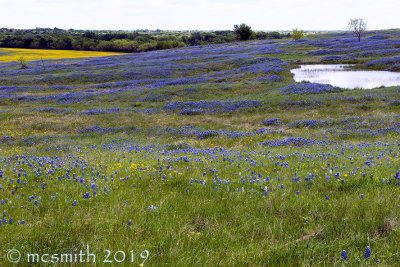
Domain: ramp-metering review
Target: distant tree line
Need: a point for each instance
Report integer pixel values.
(118, 41)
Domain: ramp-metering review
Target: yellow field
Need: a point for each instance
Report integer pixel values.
(12, 54)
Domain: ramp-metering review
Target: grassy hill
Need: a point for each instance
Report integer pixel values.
(204, 155)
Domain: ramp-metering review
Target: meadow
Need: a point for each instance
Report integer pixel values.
(12, 54)
(206, 156)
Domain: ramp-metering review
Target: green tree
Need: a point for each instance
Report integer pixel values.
(274, 35)
(243, 32)
(297, 34)
(195, 38)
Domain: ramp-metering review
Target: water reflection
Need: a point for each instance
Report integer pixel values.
(342, 76)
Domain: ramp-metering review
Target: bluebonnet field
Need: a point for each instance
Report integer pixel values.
(207, 155)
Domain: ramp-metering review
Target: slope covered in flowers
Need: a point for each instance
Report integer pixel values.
(207, 155)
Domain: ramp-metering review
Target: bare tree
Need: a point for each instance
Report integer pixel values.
(358, 27)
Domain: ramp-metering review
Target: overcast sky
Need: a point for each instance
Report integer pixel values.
(198, 14)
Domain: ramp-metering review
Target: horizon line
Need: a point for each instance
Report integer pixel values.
(187, 30)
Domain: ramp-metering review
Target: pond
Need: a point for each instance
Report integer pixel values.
(343, 76)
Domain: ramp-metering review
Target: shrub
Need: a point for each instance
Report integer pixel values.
(22, 62)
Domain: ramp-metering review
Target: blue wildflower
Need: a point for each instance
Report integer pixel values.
(151, 207)
(367, 253)
(344, 255)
